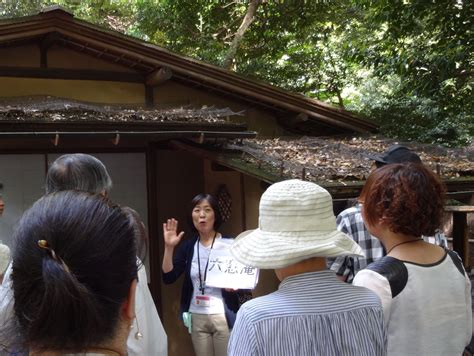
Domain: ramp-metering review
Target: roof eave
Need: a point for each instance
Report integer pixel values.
(183, 66)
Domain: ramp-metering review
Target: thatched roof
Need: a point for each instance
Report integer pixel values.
(50, 109)
(345, 159)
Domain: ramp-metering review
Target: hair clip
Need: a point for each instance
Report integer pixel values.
(44, 245)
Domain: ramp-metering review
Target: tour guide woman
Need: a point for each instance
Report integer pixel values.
(213, 310)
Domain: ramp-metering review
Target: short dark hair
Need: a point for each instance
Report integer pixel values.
(71, 298)
(214, 205)
(78, 171)
(408, 197)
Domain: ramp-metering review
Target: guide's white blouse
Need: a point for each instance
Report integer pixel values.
(215, 294)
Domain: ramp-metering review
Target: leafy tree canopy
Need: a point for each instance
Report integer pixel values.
(406, 64)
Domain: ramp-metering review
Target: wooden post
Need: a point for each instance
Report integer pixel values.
(242, 199)
(116, 139)
(47, 41)
(461, 232)
(149, 97)
(153, 228)
(56, 139)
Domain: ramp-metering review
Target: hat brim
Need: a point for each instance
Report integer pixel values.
(377, 158)
(270, 250)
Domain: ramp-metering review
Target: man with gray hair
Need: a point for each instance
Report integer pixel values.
(78, 171)
(84, 172)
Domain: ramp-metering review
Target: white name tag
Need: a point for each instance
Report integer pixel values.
(203, 301)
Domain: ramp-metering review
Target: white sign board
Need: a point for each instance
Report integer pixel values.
(224, 271)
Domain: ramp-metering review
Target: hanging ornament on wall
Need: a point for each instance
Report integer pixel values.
(224, 202)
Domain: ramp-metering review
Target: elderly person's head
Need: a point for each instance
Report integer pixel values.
(78, 171)
(74, 274)
(297, 230)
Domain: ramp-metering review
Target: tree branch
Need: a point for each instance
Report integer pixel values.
(248, 19)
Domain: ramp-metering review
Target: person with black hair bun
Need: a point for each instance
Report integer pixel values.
(74, 276)
(212, 310)
(83, 172)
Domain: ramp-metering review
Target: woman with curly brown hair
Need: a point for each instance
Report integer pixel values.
(424, 289)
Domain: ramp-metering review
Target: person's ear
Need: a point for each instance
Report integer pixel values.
(382, 221)
(128, 309)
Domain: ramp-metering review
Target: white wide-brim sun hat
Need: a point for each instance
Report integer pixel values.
(296, 222)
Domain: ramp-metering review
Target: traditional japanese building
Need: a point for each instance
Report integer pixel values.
(169, 127)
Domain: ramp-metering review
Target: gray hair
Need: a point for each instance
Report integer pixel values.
(78, 171)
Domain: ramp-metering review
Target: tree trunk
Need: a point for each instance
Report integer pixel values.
(339, 98)
(247, 21)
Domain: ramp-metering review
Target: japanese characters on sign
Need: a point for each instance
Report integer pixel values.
(225, 272)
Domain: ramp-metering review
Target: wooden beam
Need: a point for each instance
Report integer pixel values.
(49, 40)
(149, 97)
(73, 74)
(43, 57)
(158, 76)
(293, 121)
(16, 126)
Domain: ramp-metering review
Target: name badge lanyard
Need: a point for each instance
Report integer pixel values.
(201, 282)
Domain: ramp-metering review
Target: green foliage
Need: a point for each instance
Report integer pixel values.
(12, 8)
(200, 29)
(406, 64)
(420, 119)
(429, 47)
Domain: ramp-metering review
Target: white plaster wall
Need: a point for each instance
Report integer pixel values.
(23, 181)
(128, 173)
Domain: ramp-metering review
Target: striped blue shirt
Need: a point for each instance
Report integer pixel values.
(311, 314)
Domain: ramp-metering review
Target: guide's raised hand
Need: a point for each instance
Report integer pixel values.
(172, 238)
